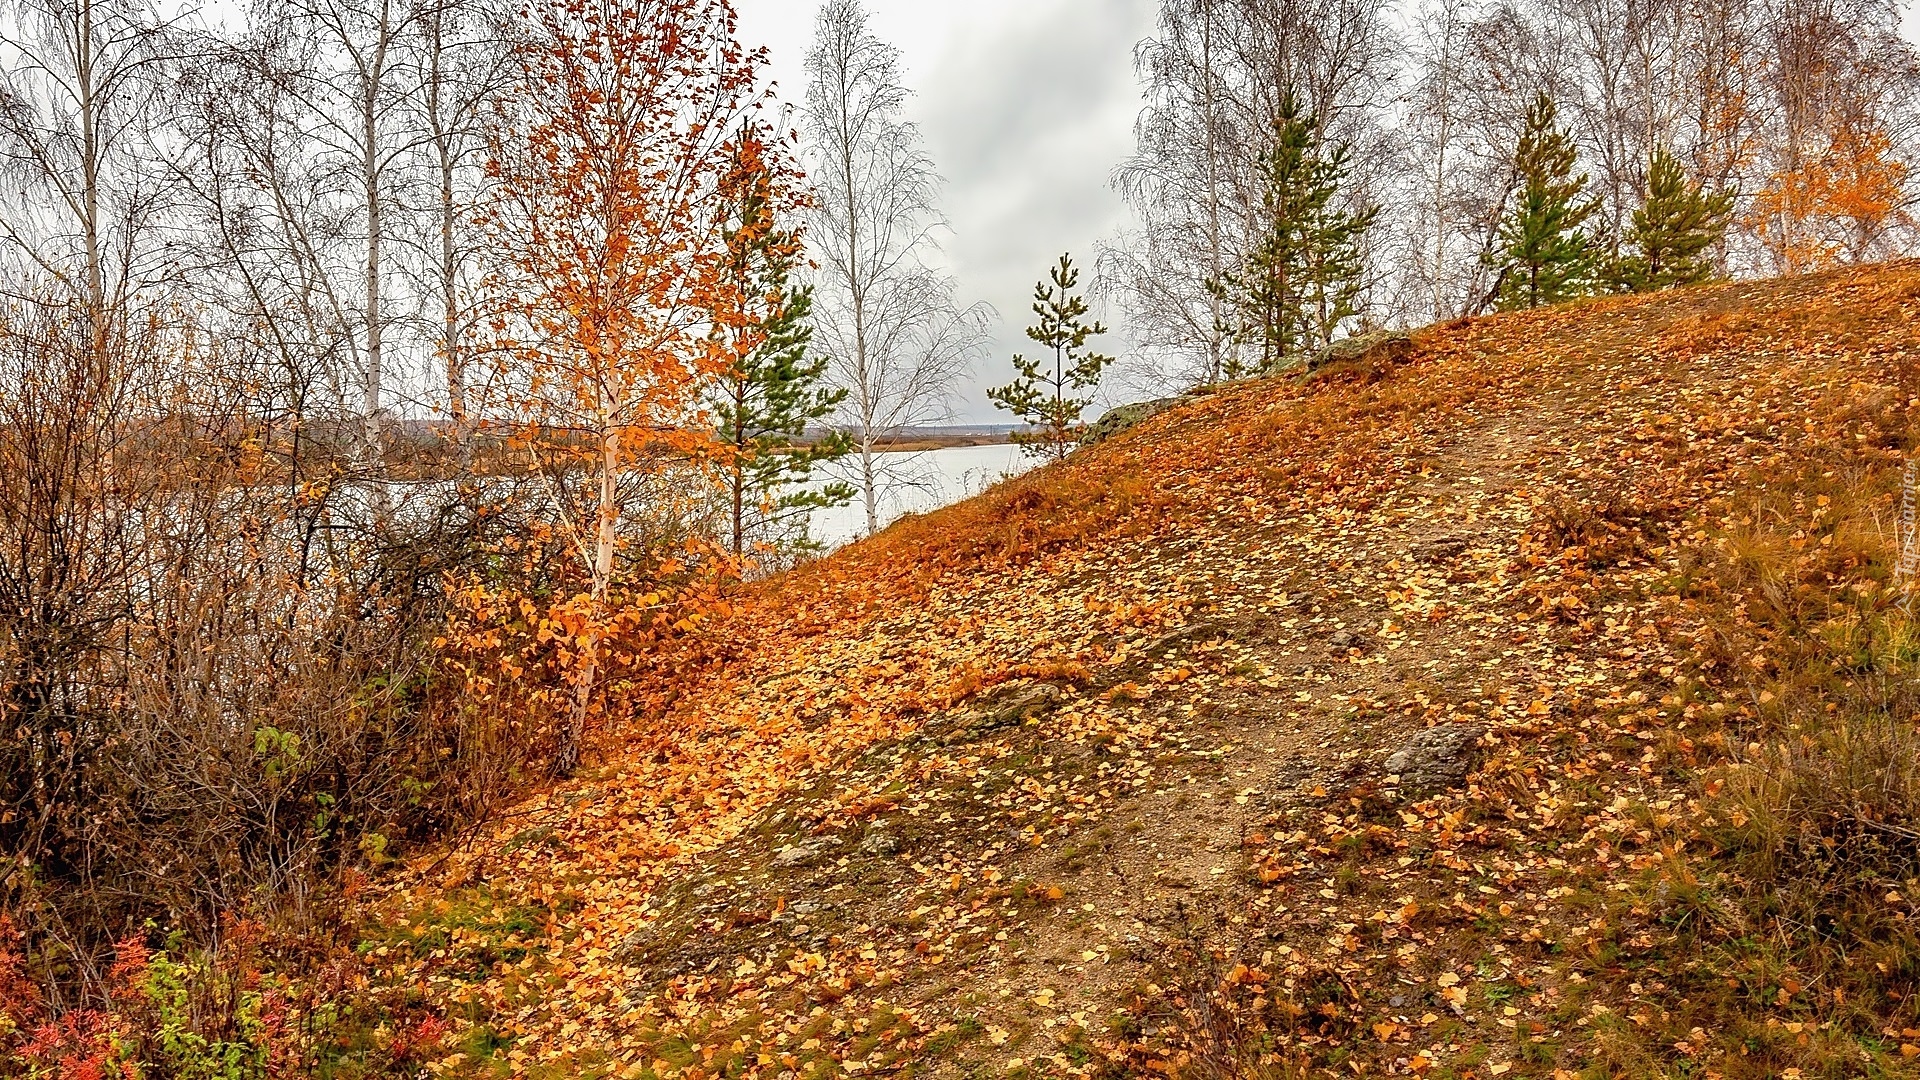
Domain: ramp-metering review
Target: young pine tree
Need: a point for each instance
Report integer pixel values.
(1336, 263)
(773, 389)
(1545, 256)
(1674, 232)
(1041, 398)
(1303, 278)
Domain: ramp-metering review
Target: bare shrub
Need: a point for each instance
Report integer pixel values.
(217, 665)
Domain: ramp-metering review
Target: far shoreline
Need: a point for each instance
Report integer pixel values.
(920, 443)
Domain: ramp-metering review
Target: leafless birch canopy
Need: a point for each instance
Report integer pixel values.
(898, 342)
(1804, 108)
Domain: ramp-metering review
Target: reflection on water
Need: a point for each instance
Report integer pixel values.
(919, 482)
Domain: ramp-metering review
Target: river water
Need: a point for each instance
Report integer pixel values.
(921, 481)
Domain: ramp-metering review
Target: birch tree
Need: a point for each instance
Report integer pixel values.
(611, 164)
(461, 59)
(1182, 186)
(897, 341)
(1218, 74)
(355, 100)
(1434, 122)
(74, 114)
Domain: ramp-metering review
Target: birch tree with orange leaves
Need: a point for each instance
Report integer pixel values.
(613, 150)
(1836, 184)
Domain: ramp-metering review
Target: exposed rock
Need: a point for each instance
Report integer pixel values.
(1436, 759)
(1019, 705)
(1002, 707)
(632, 949)
(1375, 350)
(1345, 640)
(1126, 416)
(1440, 549)
(1165, 643)
(796, 855)
(880, 843)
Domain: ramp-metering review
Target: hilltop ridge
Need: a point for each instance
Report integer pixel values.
(1444, 717)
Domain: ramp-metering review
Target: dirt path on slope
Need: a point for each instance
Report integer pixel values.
(1111, 755)
(1315, 647)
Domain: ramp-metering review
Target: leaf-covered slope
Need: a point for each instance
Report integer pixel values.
(1386, 723)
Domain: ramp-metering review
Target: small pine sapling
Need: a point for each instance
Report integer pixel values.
(1043, 399)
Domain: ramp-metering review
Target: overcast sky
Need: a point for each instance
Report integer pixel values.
(1026, 106)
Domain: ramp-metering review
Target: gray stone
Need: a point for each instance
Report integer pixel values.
(1378, 348)
(1126, 416)
(1166, 643)
(795, 855)
(1017, 706)
(1436, 759)
(1440, 549)
(632, 949)
(880, 843)
(1343, 640)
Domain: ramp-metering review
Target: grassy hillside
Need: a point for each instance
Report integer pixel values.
(1540, 706)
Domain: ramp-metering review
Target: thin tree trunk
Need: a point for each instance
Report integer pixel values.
(857, 293)
(371, 389)
(1216, 359)
(1059, 405)
(96, 283)
(739, 512)
(1445, 75)
(450, 346)
(870, 483)
(739, 467)
(455, 360)
(605, 545)
(443, 116)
